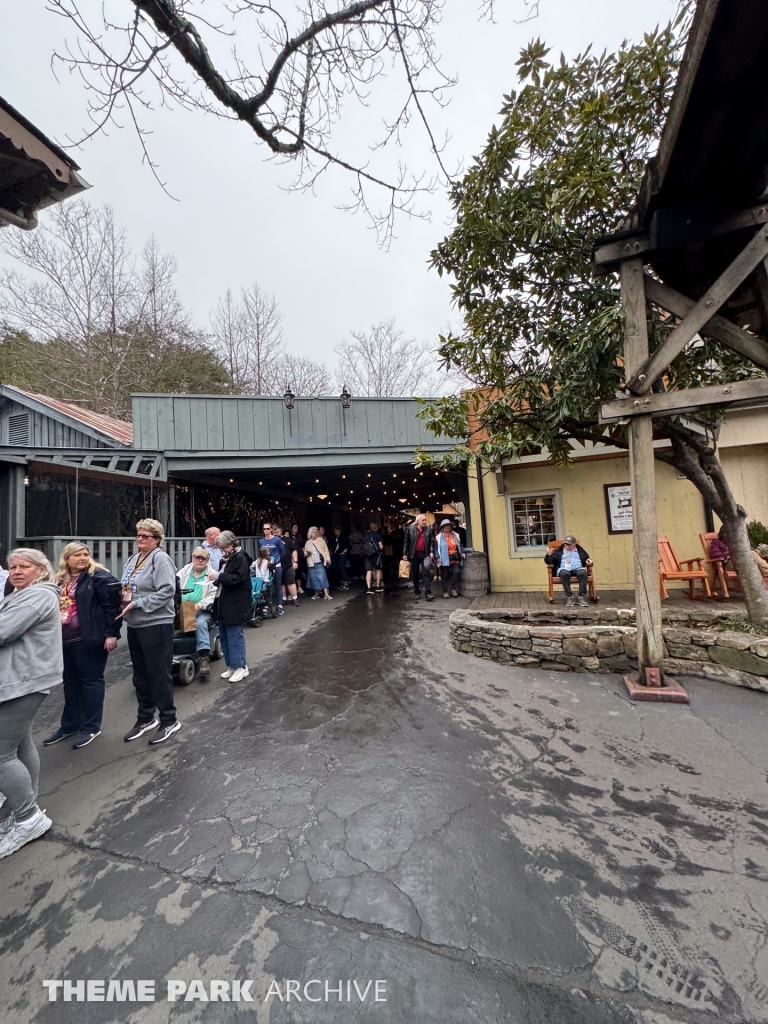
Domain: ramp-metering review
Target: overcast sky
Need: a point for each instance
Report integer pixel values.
(230, 223)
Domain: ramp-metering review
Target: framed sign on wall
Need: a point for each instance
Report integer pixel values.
(618, 507)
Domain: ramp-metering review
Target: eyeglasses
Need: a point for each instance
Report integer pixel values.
(145, 536)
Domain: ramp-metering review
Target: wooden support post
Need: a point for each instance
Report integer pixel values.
(650, 650)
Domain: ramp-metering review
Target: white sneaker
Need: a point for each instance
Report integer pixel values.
(327, 597)
(300, 590)
(227, 673)
(24, 832)
(238, 674)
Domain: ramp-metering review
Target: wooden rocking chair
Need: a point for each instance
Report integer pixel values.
(669, 569)
(718, 574)
(551, 579)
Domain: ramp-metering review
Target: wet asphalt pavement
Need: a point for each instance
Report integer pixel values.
(493, 844)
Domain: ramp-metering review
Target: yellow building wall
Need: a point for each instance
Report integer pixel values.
(680, 517)
(746, 469)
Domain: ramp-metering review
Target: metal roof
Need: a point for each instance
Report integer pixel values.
(107, 426)
(34, 172)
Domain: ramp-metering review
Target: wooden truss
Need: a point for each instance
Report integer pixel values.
(641, 403)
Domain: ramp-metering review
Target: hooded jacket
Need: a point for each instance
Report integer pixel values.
(31, 657)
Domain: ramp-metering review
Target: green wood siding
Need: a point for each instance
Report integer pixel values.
(238, 424)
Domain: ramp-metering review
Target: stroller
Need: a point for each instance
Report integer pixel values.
(264, 603)
(186, 658)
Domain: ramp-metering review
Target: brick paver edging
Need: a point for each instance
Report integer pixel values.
(725, 656)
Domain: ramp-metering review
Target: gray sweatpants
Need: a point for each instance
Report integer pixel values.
(19, 760)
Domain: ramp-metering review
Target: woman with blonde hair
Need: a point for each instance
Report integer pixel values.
(30, 664)
(89, 604)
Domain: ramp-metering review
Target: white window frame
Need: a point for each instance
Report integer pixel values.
(540, 549)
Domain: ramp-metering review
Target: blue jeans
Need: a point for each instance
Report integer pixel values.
(277, 583)
(203, 630)
(565, 579)
(233, 645)
(340, 566)
(84, 685)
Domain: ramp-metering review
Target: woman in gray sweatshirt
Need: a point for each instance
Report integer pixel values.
(148, 600)
(30, 664)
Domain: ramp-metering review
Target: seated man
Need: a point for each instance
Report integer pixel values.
(198, 579)
(570, 557)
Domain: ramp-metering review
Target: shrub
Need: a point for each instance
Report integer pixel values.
(757, 533)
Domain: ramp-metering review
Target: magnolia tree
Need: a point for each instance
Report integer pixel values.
(543, 336)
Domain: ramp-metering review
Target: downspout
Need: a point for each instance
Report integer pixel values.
(483, 522)
(15, 220)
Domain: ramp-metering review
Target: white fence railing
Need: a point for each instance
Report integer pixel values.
(114, 552)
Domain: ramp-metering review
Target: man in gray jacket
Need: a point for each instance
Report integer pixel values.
(148, 599)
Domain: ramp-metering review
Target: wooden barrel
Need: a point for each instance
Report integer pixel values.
(474, 575)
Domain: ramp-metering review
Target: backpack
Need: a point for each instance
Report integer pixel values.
(369, 547)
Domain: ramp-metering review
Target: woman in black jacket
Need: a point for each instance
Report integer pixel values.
(234, 605)
(89, 603)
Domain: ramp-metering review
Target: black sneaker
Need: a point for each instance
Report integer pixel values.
(85, 738)
(582, 601)
(139, 729)
(369, 590)
(430, 597)
(55, 737)
(166, 731)
(569, 602)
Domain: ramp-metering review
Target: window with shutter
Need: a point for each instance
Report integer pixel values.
(18, 428)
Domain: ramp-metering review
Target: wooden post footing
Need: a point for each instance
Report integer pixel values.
(670, 693)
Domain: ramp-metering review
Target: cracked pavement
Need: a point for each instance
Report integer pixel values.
(498, 844)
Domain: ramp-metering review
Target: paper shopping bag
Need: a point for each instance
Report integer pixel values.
(188, 616)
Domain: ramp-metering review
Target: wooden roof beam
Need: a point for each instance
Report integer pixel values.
(742, 394)
(703, 311)
(718, 328)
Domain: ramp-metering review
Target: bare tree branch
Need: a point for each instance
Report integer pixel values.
(298, 61)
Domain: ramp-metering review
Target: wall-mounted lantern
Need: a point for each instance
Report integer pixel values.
(346, 398)
(289, 399)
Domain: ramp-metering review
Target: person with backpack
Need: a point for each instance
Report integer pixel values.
(372, 549)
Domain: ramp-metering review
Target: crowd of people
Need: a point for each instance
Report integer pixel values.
(59, 626)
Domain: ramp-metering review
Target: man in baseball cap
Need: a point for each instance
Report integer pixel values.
(570, 559)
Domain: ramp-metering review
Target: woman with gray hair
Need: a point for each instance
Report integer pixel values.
(148, 599)
(234, 605)
(30, 664)
(318, 557)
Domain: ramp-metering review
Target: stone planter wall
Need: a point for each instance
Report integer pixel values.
(598, 646)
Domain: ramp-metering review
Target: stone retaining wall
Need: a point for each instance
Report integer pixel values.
(597, 646)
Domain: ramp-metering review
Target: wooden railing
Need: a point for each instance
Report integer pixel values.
(114, 552)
